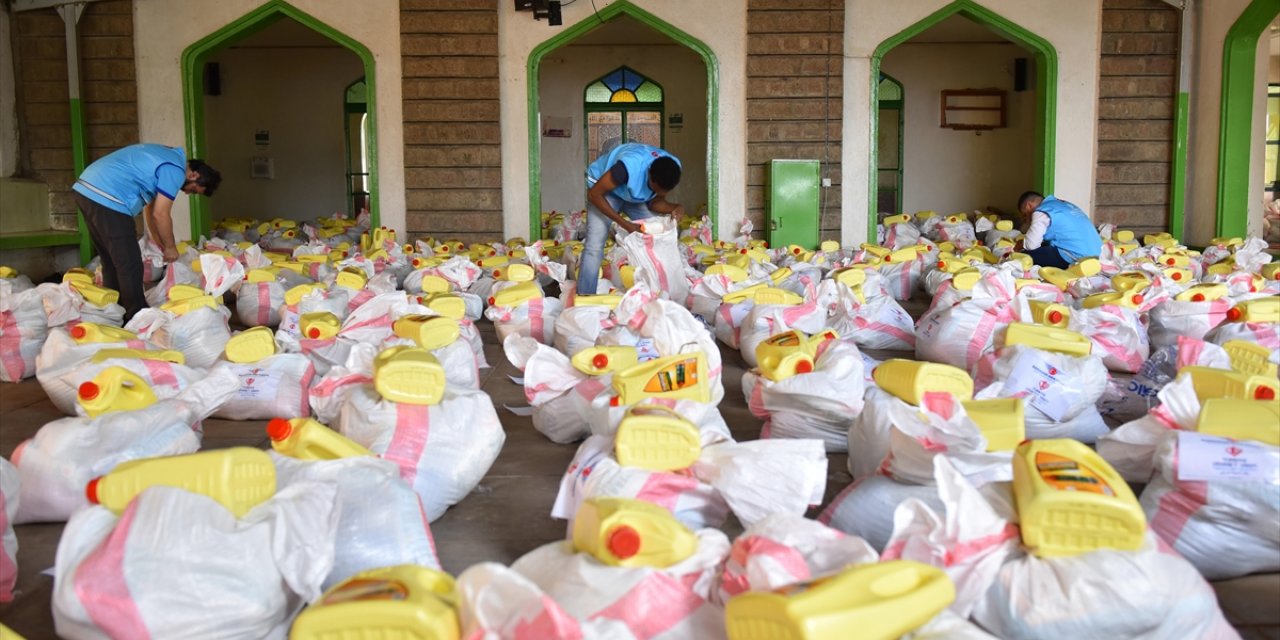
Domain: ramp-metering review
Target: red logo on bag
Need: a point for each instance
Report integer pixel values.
(1043, 385)
(249, 382)
(1053, 371)
(1234, 451)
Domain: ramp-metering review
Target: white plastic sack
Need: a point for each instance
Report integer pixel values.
(380, 519)
(1223, 520)
(443, 450)
(821, 404)
(274, 387)
(960, 335)
(200, 334)
(782, 550)
(1174, 318)
(879, 322)
(1061, 391)
(1145, 594)
(578, 327)
(655, 252)
(63, 365)
(258, 304)
(176, 273)
(760, 477)
(1260, 333)
(23, 329)
(66, 454)
(673, 330)
(651, 603)
(497, 603)
(767, 320)
(534, 319)
(970, 540)
(178, 564)
(865, 508)
(9, 491)
(1117, 334)
(1131, 448)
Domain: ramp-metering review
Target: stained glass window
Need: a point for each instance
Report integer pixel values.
(622, 107)
(623, 85)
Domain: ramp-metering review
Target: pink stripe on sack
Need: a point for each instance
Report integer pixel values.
(101, 587)
(1177, 506)
(11, 348)
(664, 489)
(136, 344)
(413, 425)
(656, 604)
(426, 528)
(940, 403)
(756, 402)
(792, 314)
(8, 570)
(551, 622)
(304, 408)
(1132, 360)
(896, 332)
(1189, 351)
(981, 338)
(966, 550)
(788, 558)
(536, 328)
(161, 372)
(656, 263)
(264, 304)
(589, 389)
(328, 386)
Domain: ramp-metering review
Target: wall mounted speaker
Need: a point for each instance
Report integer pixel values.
(1019, 74)
(212, 79)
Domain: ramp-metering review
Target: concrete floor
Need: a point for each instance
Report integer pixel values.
(508, 513)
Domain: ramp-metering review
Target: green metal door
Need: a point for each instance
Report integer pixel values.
(792, 208)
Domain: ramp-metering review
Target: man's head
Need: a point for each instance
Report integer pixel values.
(664, 175)
(201, 178)
(1028, 202)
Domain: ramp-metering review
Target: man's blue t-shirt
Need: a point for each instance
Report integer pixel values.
(126, 179)
(636, 158)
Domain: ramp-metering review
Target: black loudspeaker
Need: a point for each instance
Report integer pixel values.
(212, 79)
(1019, 74)
(553, 13)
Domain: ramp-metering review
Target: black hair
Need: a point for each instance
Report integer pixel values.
(209, 177)
(1022, 199)
(665, 172)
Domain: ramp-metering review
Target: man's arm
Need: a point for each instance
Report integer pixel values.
(163, 221)
(1035, 231)
(660, 205)
(595, 195)
(149, 221)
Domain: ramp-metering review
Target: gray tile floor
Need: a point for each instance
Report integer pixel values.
(508, 513)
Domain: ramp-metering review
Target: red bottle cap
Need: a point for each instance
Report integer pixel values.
(942, 265)
(1234, 314)
(497, 273)
(492, 300)
(1055, 317)
(614, 401)
(600, 361)
(78, 332)
(796, 250)
(1137, 298)
(1177, 275)
(1199, 297)
(804, 366)
(1264, 393)
(91, 490)
(278, 429)
(89, 390)
(623, 542)
(313, 333)
(1170, 262)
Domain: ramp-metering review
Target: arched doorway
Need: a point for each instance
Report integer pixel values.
(283, 20)
(1041, 52)
(559, 70)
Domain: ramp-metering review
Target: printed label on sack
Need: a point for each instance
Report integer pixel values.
(1040, 383)
(645, 350)
(1203, 457)
(575, 479)
(258, 384)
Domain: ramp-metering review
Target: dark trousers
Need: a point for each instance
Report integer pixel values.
(1048, 256)
(115, 238)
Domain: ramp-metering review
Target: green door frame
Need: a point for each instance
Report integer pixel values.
(194, 57)
(619, 8)
(1235, 129)
(900, 105)
(1046, 87)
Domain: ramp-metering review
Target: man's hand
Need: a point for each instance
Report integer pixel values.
(629, 227)
(677, 213)
(170, 254)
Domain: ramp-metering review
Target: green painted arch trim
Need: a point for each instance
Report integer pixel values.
(193, 59)
(1235, 128)
(620, 8)
(900, 106)
(1046, 87)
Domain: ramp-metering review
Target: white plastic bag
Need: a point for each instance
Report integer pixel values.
(1145, 594)
(177, 564)
(578, 327)
(767, 320)
(1174, 318)
(821, 404)
(535, 319)
(23, 329)
(760, 477)
(959, 335)
(655, 252)
(1117, 334)
(866, 507)
(782, 550)
(200, 334)
(380, 519)
(878, 322)
(1131, 448)
(273, 387)
(1223, 517)
(497, 603)
(66, 454)
(9, 491)
(1061, 391)
(63, 365)
(258, 304)
(443, 450)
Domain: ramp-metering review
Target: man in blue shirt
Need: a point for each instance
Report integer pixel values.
(1055, 232)
(632, 179)
(111, 192)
